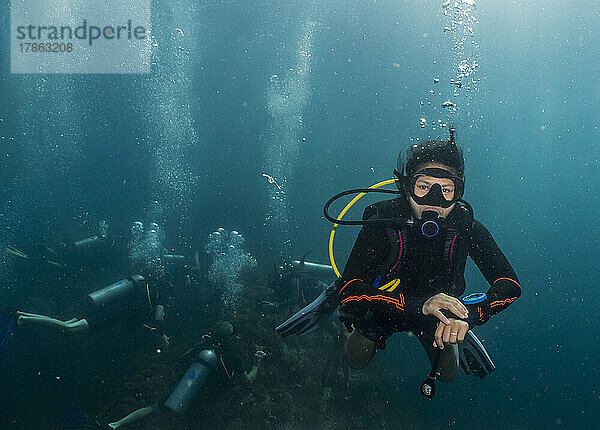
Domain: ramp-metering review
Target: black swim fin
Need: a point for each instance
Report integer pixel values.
(474, 359)
(8, 324)
(313, 315)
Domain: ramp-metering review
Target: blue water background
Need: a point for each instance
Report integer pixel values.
(81, 148)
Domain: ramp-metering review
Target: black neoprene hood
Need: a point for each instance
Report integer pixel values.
(443, 152)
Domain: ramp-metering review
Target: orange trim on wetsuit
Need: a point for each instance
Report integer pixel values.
(398, 303)
(507, 279)
(503, 302)
(348, 283)
(358, 292)
(508, 300)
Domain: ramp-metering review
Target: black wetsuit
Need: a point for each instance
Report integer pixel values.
(394, 269)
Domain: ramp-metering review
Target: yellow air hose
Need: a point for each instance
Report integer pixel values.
(341, 215)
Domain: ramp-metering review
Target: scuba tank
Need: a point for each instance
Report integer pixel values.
(119, 291)
(189, 385)
(321, 271)
(173, 259)
(90, 242)
(89, 247)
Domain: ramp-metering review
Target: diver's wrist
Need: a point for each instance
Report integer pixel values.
(415, 305)
(478, 314)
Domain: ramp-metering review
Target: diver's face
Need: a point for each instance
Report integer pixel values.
(422, 186)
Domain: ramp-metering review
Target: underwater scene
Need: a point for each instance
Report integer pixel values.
(302, 214)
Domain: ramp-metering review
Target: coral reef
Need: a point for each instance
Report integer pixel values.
(287, 392)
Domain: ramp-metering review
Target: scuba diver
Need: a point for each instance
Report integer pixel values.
(127, 302)
(299, 282)
(97, 249)
(211, 364)
(406, 270)
(181, 269)
(90, 247)
(102, 249)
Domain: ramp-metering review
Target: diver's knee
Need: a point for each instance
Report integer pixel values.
(358, 350)
(356, 363)
(78, 326)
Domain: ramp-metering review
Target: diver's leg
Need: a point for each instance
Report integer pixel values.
(358, 350)
(27, 318)
(73, 325)
(28, 314)
(448, 361)
(137, 415)
(77, 326)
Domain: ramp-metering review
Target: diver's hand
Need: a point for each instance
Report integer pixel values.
(435, 304)
(452, 333)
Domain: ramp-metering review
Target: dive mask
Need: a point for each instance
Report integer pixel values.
(434, 194)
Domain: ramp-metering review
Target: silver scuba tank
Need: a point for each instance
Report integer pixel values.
(173, 259)
(189, 385)
(89, 242)
(120, 290)
(321, 271)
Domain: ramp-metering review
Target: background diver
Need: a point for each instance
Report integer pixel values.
(102, 248)
(299, 282)
(79, 253)
(128, 303)
(211, 365)
(406, 271)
